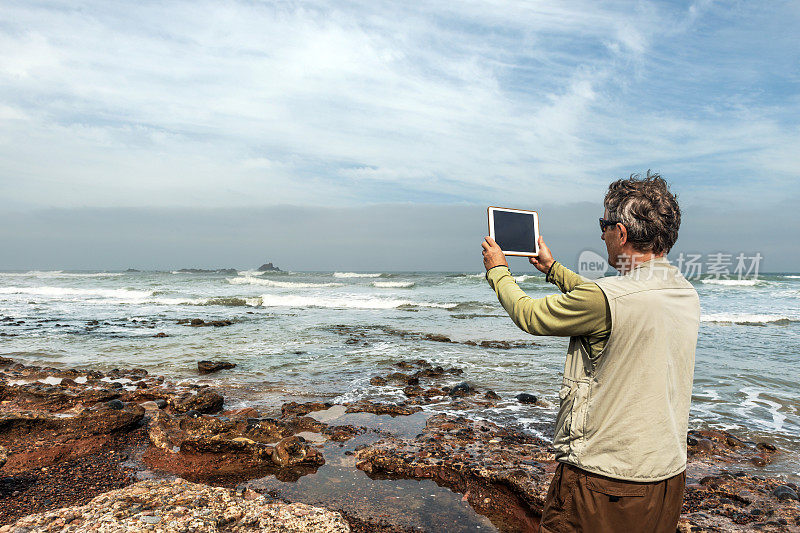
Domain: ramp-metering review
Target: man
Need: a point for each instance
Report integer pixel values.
(620, 434)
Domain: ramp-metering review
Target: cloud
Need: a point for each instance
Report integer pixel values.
(347, 103)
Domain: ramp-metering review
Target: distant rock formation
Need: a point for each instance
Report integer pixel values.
(132, 270)
(227, 271)
(268, 267)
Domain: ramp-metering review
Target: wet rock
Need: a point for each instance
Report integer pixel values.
(160, 403)
(704, 446)
(3, 456)
(115, 405)
(507, 468)
(292, 450)
(766, 446)
(397, 377)
(205, 401)
(436, 337)
(785, 492)
(208, 367)
(412, 390)
(88, 422)
(199, 322)
(524, 397)
(433, 392)
(491, 395)
(183, 506)
(461, 390)
(377, 381)
(301, 409)
(207, 446)
(382, 408)
(160, 335)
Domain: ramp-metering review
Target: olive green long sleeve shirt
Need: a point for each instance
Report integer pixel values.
(581, 311)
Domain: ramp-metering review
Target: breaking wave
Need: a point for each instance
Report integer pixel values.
(352, 302)
(746, 319)
(356, 275)
(393, 284)
(251, 272)
(246, 280)
(734, 282)
(60, 274)
(68, 292)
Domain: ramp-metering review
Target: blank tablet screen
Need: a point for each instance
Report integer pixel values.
(514, 231)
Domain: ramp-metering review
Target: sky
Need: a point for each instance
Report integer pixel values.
(339, 112)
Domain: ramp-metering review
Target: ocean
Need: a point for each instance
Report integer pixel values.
(322, 335)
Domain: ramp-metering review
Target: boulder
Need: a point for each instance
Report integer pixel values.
(785, 492)
(268, 267)
(524, 397)
(205, 401)
(208, 367)
(461, 390)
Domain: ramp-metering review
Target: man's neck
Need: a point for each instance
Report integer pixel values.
(630, 260)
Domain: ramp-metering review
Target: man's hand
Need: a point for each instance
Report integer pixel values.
(492, 254)
(544, 260)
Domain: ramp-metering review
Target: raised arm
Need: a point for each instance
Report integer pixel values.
(563, 278)
(580, 312)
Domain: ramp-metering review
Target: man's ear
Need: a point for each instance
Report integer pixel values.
(623, 234)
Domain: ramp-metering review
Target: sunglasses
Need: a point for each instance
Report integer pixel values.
(606, 223)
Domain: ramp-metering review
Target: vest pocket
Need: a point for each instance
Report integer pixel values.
(563, 437)
(580, 404)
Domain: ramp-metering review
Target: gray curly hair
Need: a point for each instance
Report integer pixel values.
(647, 209)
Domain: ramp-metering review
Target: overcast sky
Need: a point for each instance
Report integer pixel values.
(217, 111)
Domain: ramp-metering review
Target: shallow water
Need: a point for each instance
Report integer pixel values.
(323, 335)
(410, 504)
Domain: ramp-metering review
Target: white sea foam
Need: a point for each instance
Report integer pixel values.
(71, 292)
(734, 282)
(744, 318)
(246, 280)
(526, 277)
(393, 284)
(251, 272)
(60, 274)
(356, 275)
(791, 277)
(352, 302)
(753, 401)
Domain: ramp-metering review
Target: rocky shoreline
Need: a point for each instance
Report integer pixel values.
(133, 451)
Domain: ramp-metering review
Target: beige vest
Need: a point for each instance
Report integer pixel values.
(624, 412)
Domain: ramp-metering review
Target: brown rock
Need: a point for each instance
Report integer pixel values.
(205, 401)
(208, 367)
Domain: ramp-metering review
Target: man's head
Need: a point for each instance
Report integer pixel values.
(645, 216)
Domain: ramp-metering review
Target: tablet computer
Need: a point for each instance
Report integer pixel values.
(516, 231)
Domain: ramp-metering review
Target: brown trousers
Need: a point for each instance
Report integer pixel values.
(582, 501)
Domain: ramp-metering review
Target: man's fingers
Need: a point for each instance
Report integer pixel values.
(485, 246)
(490, 240)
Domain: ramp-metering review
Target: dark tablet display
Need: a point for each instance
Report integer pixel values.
(515, 231)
